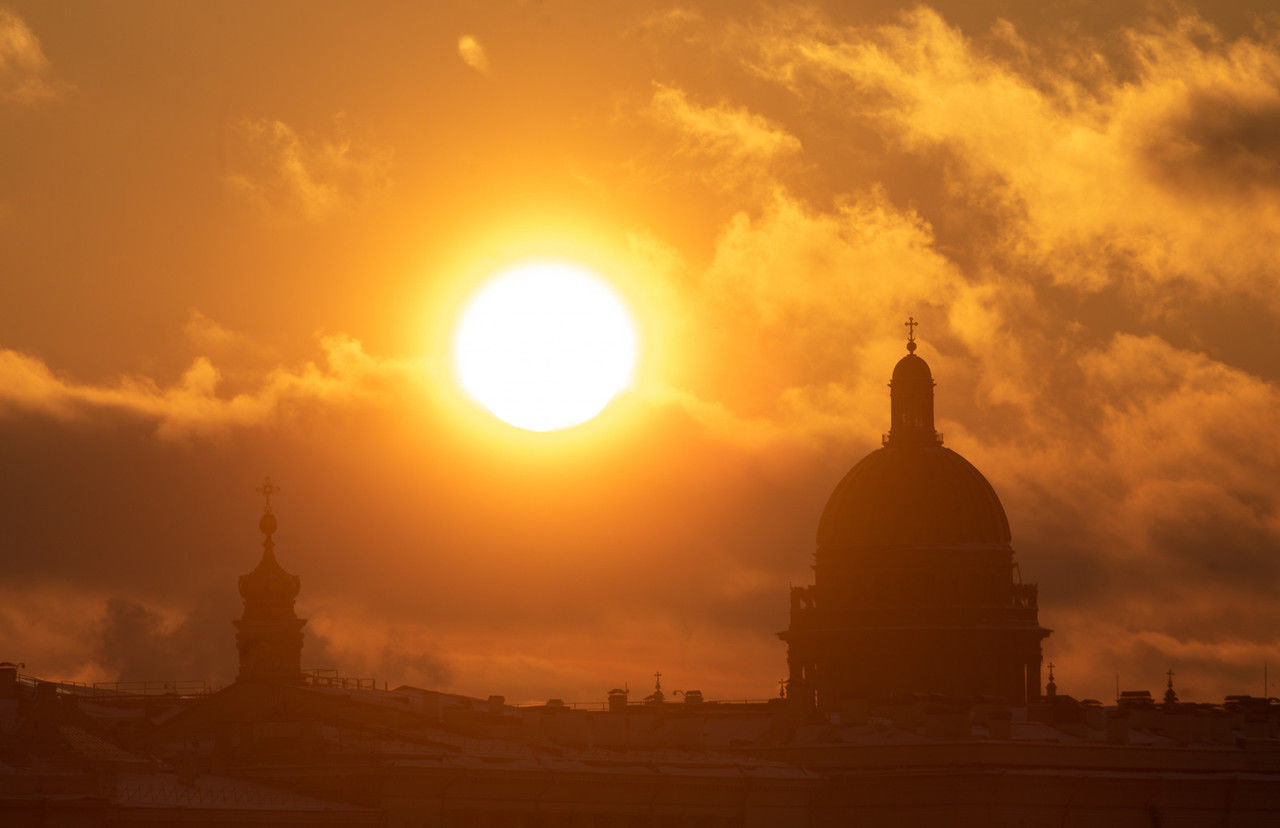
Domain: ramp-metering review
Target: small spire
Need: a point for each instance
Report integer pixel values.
(911, 324)
(657, 681)
(1051, 689)
(1170, 697)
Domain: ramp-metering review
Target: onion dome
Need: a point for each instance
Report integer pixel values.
(269, 588)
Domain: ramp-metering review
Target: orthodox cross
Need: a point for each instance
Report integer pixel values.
(268, 489)
(657, 681)
(1170, 675)
(1050, 671)
(910, 325)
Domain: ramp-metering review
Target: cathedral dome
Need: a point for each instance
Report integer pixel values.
(912, 491)
(903, 495)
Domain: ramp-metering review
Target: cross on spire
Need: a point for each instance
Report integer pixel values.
(267, 489)
(910, 325)
(657, 681)
(1169, 673)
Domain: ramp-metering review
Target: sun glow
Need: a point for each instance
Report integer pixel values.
(545, 346)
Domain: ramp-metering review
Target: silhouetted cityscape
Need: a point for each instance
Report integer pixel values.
(914, 697)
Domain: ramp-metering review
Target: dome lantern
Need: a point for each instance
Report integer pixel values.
(911, 398)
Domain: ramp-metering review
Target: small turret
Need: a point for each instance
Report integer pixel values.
(269, 634)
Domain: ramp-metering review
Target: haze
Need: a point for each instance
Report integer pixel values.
(236, 238)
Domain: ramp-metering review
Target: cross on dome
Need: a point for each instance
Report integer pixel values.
(267, 489)
(910, 325)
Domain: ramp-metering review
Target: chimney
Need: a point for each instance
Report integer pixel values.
(8, 680)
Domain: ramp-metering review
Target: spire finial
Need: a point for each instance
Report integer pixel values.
(657, 681)
(911, 324)
(1051, 689)
(1170, 697)
(267, 489)
(268, 522)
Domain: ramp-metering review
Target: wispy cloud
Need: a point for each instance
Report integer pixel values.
(193, 405)
(312, 177)
(472, 53)
(26, 76)
(720, 130)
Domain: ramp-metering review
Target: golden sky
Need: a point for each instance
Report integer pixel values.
(236, 237)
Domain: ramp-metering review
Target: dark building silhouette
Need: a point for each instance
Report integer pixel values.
(269, 635)
(930, 586)
(915, 587)
(914, 700)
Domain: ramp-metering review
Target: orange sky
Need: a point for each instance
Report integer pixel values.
(236, 237)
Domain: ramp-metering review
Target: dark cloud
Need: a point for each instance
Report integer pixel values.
(1221, 141)
(138, 644)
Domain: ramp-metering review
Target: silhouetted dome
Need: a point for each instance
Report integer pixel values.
(912, 494)
(911, 367)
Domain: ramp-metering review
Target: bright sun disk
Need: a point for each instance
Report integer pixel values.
(545, 346)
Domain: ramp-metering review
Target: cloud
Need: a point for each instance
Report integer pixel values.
(1044, 203)
(312, 177)
(722, 131)
(730, 147)
(1098, 151)
(192, 405)
(473, 54)
(1087, 189)
(134, 642)
(25, 72)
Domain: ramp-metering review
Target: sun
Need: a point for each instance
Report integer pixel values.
(545, 346)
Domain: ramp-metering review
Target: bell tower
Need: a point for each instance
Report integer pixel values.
(269, 634)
